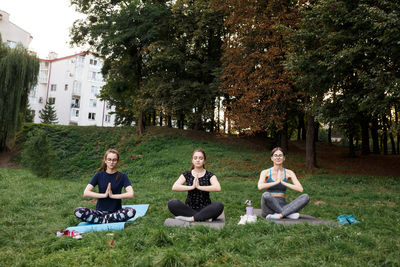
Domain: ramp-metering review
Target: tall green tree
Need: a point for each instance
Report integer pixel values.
(185, 66)
(18, 74)
(121, 32)
(346, 54)
(48, 114)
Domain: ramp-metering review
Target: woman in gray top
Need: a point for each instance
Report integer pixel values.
(275, 180)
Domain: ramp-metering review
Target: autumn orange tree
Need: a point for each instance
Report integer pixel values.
(260, 93)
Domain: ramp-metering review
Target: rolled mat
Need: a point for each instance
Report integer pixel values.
(85, 227)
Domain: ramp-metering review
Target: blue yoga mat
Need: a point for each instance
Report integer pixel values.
(85, 227)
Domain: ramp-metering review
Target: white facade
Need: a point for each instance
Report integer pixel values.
(11, 33)
(72, 83)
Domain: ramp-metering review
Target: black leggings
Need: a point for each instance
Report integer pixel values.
(211, 211)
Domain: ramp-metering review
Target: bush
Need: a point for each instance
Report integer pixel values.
(37, 154)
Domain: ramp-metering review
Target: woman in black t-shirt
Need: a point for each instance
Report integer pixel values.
(110, 181)
(199, 182)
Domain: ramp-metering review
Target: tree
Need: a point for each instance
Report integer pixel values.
(185, 66)
(346, 56)
(18, 74)
(48, 114)
(121, 32)
(261, 92)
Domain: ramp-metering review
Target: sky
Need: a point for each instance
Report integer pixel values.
(48, 22)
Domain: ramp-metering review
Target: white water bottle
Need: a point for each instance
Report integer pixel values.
(249, 208)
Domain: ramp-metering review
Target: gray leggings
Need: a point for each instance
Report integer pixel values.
(270, 204)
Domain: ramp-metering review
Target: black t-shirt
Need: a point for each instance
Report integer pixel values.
(102, 179)
(197, 199)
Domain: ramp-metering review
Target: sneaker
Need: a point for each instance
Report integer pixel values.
(293, 216)
(243, 220)
(342, 220)
(274, 216)
(350, 218)
(251, 218)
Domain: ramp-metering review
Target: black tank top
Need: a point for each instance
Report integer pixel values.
(197, 199)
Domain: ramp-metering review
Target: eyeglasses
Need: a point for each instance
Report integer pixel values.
(111, 160)
(278, 156)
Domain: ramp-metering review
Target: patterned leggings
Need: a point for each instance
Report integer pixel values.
(98, 216)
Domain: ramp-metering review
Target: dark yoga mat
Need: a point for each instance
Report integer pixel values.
(304, 218)
(218, 223)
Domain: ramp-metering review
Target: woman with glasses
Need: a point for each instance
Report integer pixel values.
(275, 180)
(110, 181)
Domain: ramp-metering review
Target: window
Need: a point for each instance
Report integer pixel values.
(53, 87)
(108, 106)
(93, 103)
(94, 90)
(81, 59)
(75, 102)
(92, 116)
(11, 44)
(66, 87)
(107, 118)
(92, 75)
(52, 100)
(93, 62)
(75, 113)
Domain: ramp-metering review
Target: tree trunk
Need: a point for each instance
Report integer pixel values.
(169, 119)
(218, 116)
(396, 117)
(384, 137)
(330, 134)
(154, 118)
(311, 155)
(316, 131)
(161, 118)
(284, 137)
(364, 135)
(392, 142)
(352, 151)
(375, 136)
(140, 126)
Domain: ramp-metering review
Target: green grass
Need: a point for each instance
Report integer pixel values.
(33, 209)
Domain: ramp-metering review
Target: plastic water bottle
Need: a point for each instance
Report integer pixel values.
(249, 208)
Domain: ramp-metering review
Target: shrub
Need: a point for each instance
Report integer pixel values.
(36, 154)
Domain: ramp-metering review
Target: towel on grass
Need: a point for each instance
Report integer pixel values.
(85, 227)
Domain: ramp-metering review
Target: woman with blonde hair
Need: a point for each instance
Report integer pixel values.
(110, 182)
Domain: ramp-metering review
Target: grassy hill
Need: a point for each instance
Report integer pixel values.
(35, 208)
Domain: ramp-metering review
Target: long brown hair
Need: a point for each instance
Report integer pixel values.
(204, 155)
(103, 166)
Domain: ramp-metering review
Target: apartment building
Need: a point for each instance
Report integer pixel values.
(73, 84)
(11, 33)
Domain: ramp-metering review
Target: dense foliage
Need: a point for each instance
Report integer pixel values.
(346, 55)
(18, 74)
(269, 67)
(67, 151)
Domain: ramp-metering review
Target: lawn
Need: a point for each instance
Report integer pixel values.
(33, 209)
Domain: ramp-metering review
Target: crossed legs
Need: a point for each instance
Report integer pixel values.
(211, 211)
(97, 216)
(271, 205)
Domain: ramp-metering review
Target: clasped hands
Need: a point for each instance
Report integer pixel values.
(196, 183)
(108, 192)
